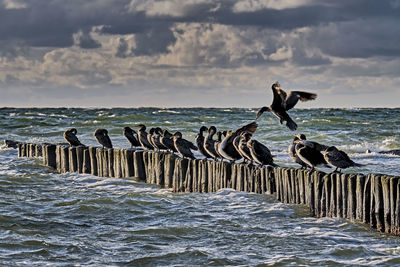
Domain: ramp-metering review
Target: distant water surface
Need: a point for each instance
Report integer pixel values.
(69, 219)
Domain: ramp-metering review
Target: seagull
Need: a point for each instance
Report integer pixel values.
(103, 138)
(339, 159)
(283, 102)
(70, 136)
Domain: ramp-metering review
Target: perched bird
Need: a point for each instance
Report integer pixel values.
(150, 138)
(217, 144)
(209, 142)
(227, 149)
(167, 141)
(156, 138)
(242, 147)
(131, 135)
(70, 136)
(292, 150)
(283, 102)
(103, 138)
(260, 153)
(309, 155)
(200, 142)
(339, 159)
(183, 146)
(142, 136)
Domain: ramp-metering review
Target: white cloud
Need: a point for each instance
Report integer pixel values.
(174, 8)
(255, 5)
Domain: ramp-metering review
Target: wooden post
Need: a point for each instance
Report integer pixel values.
(139, 167)
(360, 209)
(86, 162)
(169, 166)
(394, 181)
(73, 165)
(93, 161)
(351, 197)
(377, 214)
(386, 202)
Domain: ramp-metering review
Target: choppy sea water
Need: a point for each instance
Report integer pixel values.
(69, 219)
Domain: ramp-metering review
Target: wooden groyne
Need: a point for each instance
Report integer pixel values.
(372, 198)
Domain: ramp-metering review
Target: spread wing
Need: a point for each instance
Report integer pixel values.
(249, 128)
(294, 96)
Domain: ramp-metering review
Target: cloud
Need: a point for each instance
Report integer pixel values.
(197, 48)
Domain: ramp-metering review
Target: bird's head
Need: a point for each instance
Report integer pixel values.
(177, 135)
(276, 85)
(261, 111)
(202, 129)
(331, 148)
(212, 130)
(73, 130)
(141, 127)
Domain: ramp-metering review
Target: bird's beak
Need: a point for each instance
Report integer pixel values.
(258, 115)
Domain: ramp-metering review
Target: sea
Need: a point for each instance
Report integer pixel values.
(52, 219)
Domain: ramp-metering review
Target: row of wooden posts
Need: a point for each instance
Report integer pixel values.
(372, 198)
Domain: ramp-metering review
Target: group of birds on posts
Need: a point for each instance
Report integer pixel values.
(234, 145)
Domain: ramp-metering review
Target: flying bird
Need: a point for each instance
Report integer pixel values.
(282, 102)
(103, 138)
(70, 136)
(339, 159)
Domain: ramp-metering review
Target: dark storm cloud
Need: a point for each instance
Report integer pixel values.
(354, 28)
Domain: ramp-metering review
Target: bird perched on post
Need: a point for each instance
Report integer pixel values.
(130, 135)
(200, 142)
(227, 149)
(183, 146)
(310, 153)
(283, 102)
(70, 136)
(339, 159)
(103, 138)
(142, 137)
(260, 153)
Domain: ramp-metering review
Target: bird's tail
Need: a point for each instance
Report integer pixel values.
(291, 124)
(358, 164)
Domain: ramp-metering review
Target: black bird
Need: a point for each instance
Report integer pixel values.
(167, 141)
(283, 102)
(310, 155)
(70, 136)
(103, 138)
(130, 135)
(292, 150)
(156, 139)
(227, 149)
(339, 159)
(217, 144)
(183, 146)
(142, 136)
(209, 142)
(200, 142)
(260, 153)
(242, 146)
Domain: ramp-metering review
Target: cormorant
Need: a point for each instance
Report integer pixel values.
(142, 136)
(242, 146)
(260, 153)
(209, 142)
(167, 141)
(310, 155)
(183, 146)
(130, 134)
(200, 142)
(227, 149)
(339, 159)
(103, 138)
(283, 102)
(70, 136)
(292, 150)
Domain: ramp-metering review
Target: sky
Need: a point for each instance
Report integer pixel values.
(198, 53)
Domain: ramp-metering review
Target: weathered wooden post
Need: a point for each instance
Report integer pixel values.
(93, 161)
(73, 165)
